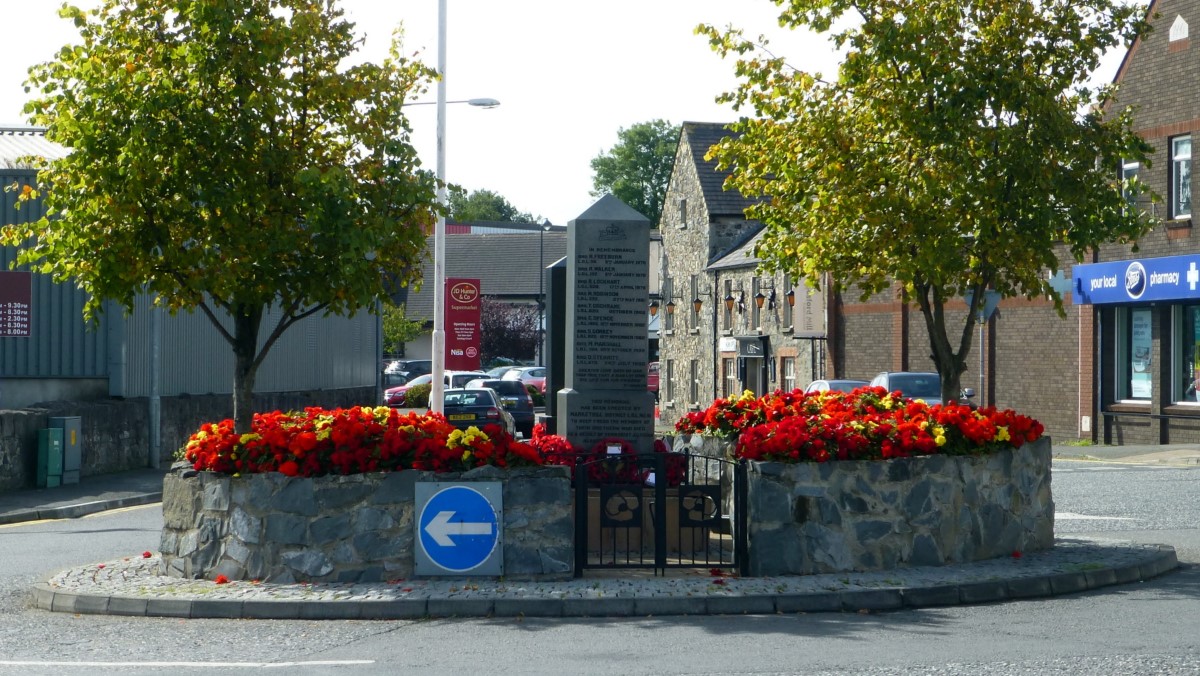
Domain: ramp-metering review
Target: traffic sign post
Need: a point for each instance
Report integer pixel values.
(459, 528)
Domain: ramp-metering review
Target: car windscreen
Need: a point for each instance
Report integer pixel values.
(917, 386)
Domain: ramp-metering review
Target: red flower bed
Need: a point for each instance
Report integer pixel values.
(867, 424)
(316, 442)
(621, 468)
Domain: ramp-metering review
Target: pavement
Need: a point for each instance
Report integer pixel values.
(132, 585)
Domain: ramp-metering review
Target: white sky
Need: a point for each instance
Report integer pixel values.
(568, 75)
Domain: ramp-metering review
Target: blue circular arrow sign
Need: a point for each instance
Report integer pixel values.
(458, 528)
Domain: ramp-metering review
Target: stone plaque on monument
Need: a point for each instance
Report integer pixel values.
(607, 344)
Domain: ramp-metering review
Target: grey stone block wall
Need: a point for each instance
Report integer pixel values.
(352, 528)
(855, 516)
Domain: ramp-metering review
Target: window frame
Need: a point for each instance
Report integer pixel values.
(1179, 167)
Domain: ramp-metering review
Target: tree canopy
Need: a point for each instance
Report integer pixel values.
(636, 170)
(228, 157)
(957, 148)
(483, 205)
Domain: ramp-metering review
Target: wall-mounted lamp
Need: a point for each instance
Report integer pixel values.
(670, 307)
(729, 302)
(653, 308)
(697, 304)
(791, 297)
(759, 299)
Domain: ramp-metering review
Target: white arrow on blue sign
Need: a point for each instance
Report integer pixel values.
(458, 529)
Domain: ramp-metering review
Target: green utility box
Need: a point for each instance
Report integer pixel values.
(72, 441)
(50, 458)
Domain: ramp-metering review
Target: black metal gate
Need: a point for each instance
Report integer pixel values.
(659, 511)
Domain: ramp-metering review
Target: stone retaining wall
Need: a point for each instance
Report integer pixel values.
(868, 515)
(352, 528)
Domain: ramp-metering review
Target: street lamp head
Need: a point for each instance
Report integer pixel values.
(697, 304)
(546, 225)
(759, 299)
(483, 103)
(653, 308)
(670, 307)
(791, 297)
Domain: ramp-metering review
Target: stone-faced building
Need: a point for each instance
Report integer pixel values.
(724, 327)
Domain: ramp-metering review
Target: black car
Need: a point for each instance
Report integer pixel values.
(476, 407)
(411, 368)
(516, 400)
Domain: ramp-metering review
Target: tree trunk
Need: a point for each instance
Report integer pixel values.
(950, 365)
(246, 322)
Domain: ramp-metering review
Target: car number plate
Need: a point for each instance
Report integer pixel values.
(461, 416)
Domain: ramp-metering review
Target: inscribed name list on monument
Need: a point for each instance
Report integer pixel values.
(610, 310)
(596, 416)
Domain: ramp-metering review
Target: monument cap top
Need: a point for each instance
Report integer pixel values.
(611, 208)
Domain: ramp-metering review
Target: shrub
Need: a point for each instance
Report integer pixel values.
(539, 399)
(417, 396)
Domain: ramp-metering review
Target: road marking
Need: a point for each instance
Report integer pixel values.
(106, 512)
(190, 665)
(1071, 516)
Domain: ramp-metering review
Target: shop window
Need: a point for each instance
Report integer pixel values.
(1181, 177)
(1134, 370)
(1187, 354)
(789, 373)
(729, 368)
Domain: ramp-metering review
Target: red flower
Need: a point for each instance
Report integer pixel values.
(290, 468)
(1016, 554)
(146, 555)
(221, 579)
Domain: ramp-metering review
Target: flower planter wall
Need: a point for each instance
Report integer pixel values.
(875, 515)
(347, 528)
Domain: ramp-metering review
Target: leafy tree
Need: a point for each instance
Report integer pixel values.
(636, 170)
(398, 329)
(507, 330)
(950, 154)
(225, 156)
(483, 205)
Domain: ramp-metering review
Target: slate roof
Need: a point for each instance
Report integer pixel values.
(18, 142)
(700, 136)
(506, 265)
(741, 254)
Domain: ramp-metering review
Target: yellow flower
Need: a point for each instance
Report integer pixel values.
(246, 438)
(1002, 434)
(939, 440)
(466, 455)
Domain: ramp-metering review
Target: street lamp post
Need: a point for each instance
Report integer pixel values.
(438, 370)
(541, 346)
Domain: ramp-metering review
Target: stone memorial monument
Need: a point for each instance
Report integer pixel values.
(606, 349)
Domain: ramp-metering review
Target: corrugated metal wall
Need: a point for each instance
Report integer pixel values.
(319, 353)
(60, 344)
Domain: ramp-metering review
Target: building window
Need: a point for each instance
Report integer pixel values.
(729, 368)
(669, 299)
(1187, 353)
(1129, 174)
(694, 293)
(670, 380)
(789, 373)
(694, 382)
(1181, 177)
(727, 307)
(1134, 370)
(755, 312)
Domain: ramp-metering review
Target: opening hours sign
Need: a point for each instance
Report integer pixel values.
(16, 300)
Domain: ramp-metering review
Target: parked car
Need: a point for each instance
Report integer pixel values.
(924, 385)
(476, 407)
(394, 396)
(838, 385)
(530, 375)
(457, 379)
(410, 368)
(516, 401)
(652, 378)
(499, 371)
